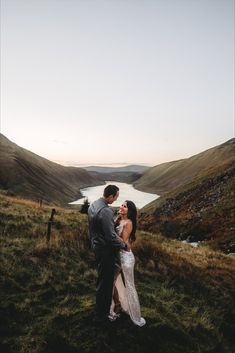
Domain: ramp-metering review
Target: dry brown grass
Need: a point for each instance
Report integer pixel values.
(181, 262)
(48, 289)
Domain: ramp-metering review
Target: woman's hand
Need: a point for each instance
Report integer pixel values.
(128, 247)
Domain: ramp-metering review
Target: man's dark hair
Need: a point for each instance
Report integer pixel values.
(110, 190)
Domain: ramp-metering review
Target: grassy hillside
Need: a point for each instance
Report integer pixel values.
(48, 290)
(26, 174)
(167, 176)
(200, 210)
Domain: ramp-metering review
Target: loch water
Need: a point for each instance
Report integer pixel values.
(126, 192)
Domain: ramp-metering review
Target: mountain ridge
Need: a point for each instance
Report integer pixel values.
(134, 168)
(26, 174)
(167, 176)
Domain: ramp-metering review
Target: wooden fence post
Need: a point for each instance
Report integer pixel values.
(53, 212)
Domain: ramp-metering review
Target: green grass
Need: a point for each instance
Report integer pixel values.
(48, 290)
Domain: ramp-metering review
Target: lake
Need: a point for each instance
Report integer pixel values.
(126, 191)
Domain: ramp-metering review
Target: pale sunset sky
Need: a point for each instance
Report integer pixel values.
(117, 81)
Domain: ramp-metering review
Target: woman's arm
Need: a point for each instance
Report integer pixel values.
(120, 238)
(127, 229)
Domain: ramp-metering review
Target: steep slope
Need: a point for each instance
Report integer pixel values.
(200, 210)
(167, 176)
(26, 174)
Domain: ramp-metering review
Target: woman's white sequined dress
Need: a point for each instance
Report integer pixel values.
(127, 293)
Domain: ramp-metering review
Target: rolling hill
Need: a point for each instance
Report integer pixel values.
(167, 176)
(201, 209)
(28, 175)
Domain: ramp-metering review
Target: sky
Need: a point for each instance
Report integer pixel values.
(117, 81)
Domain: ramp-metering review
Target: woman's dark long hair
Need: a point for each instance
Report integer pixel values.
(132, 215)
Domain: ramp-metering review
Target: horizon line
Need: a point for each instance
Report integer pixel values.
(94, 164)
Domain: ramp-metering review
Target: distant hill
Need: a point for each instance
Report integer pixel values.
(201, 209)
(127, 174)
(167, 176)
(121, 177)
(28, 175)
(129, 168)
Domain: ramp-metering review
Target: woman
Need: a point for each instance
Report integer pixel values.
(125, 285)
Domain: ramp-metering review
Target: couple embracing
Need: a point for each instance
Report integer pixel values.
(111, 243)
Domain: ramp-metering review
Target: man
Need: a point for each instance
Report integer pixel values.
(106, 246)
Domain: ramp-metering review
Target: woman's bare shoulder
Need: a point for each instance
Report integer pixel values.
(128, 223)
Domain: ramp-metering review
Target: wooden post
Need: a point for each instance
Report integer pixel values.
(53, 212)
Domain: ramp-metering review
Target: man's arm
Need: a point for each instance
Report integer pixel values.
(109, 231)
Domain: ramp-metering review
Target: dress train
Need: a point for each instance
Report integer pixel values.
(128, 296)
